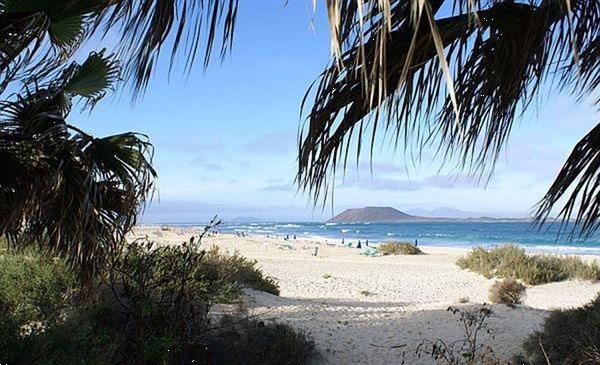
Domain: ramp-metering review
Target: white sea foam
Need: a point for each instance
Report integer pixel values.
(288, 225)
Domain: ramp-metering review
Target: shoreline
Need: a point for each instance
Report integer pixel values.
(530, 248)
(377, 309)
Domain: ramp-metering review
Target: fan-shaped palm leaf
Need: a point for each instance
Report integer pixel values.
(61, 188)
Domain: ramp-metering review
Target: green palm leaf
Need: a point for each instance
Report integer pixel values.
(93, 77)
(49, 167)
(143, 29)
(66, 32)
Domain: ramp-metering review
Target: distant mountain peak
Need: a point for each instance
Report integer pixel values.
(372, 214)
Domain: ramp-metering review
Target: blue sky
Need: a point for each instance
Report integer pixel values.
(225, 139)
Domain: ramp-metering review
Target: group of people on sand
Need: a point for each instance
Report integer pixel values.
(359, 245)
(212, 233)
(285, 238)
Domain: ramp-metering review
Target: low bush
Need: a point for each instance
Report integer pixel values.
(152, 306)
(35, 292)
(236, 269)
(254, 342)
(507, 291)
(398, 248)
(569, 337)
(34, 289)
(510, 261)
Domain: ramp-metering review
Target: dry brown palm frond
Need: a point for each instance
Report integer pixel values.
(499, 54)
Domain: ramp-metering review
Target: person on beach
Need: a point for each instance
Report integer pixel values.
(367, 243)
(359, 245)
(342, 241)
(416, 243)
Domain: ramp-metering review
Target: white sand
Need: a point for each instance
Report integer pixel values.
(406, 301)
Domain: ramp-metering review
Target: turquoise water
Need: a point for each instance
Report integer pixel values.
(459, 234)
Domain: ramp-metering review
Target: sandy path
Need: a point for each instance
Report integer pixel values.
(376, 310)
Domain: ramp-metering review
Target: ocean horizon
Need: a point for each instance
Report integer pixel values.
(462, 234)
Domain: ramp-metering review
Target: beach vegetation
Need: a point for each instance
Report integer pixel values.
(327, 276)
(510, 261)
(35, 290)
(467, 350)
(366, 293)
(52, 169)
(568, 336)
(234, 268)
(398, 248)
(254, 342)
(152, 305)
(507, 291)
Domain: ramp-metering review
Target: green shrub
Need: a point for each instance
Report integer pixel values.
(253, 342)
(510, 261)
(35, 292)
(90, 334)
(507, 291)
(569, 337)
(398, 248)
(34, 289)
(236, 269)
(152, 307)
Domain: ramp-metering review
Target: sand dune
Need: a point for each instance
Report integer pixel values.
(376, 310)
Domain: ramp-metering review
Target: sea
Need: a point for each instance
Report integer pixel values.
(465, 234)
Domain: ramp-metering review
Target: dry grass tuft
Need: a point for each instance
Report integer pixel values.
(398, 248)
(507, 291)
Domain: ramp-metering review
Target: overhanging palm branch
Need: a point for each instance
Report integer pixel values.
(61, 188)
(188, 26)
(582, 173)
(37, 36)
(391, 73)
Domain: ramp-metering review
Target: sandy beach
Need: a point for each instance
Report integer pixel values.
(376, 310)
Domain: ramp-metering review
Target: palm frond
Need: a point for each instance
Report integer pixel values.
(93, 78)
(579, 178)
(143, 29)
(25, 25)
(499, 54)
(61, 188)
(184, 26)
